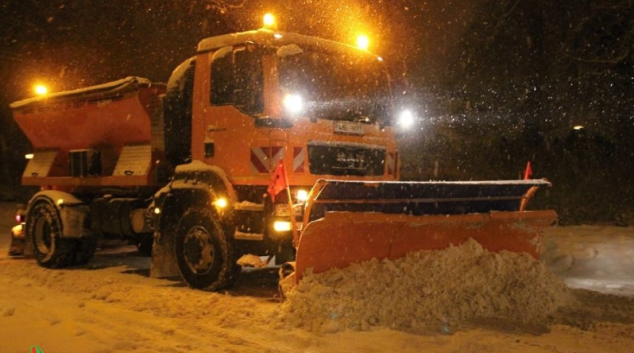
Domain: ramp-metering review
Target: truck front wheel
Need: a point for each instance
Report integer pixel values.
(44, 229)
(203, 252)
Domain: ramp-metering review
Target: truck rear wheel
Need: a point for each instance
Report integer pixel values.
(204, 254)
(44, 229)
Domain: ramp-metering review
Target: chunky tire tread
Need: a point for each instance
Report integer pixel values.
(222, 272)
(44, 218)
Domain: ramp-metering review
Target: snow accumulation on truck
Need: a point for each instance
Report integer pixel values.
(185, 169)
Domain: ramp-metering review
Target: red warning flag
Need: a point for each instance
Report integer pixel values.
(278, 181)
(528, 172)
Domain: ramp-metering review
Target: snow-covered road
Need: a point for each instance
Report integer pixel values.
(598, 258)
(112, 305)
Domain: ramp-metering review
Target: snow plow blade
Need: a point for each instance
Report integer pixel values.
(347, 222)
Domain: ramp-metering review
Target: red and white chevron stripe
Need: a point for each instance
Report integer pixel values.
(264, 159)
(299, 159)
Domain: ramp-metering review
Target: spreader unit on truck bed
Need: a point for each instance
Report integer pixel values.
(185, 169)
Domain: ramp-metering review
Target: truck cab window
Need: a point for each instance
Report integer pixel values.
(237, 79)
(222, 79)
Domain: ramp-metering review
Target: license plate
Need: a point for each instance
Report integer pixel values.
(348, 128)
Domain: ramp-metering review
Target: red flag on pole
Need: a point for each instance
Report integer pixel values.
(278, 181)
(528, 172)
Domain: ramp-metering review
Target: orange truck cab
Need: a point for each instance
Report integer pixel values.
(246, 103)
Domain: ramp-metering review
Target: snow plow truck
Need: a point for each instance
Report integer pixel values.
(191, 171)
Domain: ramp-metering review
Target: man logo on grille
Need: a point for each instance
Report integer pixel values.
(351, 160)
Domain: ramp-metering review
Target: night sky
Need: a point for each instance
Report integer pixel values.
(495, 82)
(71, 44)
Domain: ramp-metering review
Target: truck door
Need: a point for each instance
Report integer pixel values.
(236, 105)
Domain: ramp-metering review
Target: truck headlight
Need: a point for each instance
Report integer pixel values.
(282, 226)
(406, 119)
(221, 203)
(293, 103)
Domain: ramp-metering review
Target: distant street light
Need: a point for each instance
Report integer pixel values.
(41, 90)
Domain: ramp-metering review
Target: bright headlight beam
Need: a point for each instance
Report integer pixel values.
(293, 103)
(282, 226)
(221, 202)
(406, 118)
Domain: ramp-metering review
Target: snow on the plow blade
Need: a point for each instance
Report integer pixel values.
(428, 289)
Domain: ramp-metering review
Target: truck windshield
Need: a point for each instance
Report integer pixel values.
(335, 86)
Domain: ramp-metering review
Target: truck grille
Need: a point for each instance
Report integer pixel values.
(335, 158)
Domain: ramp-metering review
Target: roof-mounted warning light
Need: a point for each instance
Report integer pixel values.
(40, 90)
(269, 21)
(363, 42)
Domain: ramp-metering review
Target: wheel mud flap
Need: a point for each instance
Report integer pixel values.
(163, 256)
(17, 241)
(342, 238)
(17, 247)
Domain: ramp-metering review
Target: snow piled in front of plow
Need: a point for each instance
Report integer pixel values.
(445, 289)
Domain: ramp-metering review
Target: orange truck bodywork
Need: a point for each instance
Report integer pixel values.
(105, 119)
(235, 133)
